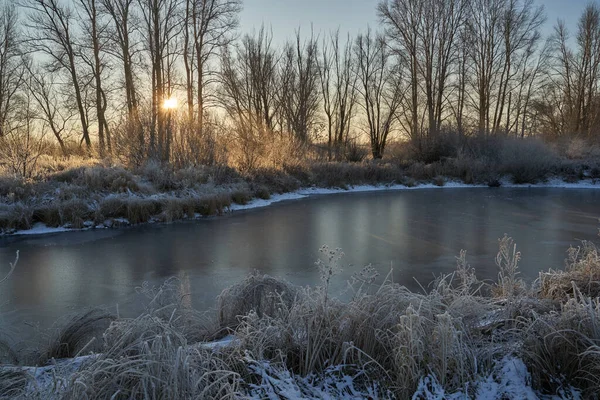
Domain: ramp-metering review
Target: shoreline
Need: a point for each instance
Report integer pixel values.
(40, 228)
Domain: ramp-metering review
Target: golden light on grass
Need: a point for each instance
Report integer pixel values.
(170, 103)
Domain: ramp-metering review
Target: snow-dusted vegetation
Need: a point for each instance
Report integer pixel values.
(84, 193)
(269, 339)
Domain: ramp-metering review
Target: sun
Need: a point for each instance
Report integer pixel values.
(170, 103)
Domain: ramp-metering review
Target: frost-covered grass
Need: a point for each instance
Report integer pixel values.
(78, 192)
(269, 339)
(92, 194)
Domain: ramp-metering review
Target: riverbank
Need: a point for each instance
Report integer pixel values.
(99, 196)
(462, 339)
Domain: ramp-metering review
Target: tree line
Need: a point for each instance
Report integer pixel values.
(101, 71)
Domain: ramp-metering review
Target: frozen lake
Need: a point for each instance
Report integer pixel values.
(417, 232)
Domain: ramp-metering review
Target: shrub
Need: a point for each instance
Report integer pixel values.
(581, 149)
(74, 212)
(49, 214)
(355, 153)
(527, 160)
(276, 181)
(141, 210)
(112, 207)
(300, 172)
(16, 216)
(212, 204)
(15, 188)
(262, 192)
(173, 209)
(192, 176)
(339, 175)
(241, 197)
(161, 176)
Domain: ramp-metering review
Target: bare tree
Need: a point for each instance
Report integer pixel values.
(402, 19)
(21, 148)
(161, 29)
(40, 86)
(11, 68)
(503, 35)
(425, 34)
(299, 91)
(577, 73)
(249, 81)
(121, 33)
(209, 28)
(381, 89)
(51, 33)
(92, 24)
(338, 88)
(124, 46)
(531, 81)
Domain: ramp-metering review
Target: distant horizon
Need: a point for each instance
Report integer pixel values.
(285, 17)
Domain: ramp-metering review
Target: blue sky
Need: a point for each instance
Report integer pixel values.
(284, 16)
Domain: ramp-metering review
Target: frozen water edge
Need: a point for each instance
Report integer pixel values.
(41, 229)
(305, 192)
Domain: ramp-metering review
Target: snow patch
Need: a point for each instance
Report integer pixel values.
(224, 342)
(509, 380)
(258, 203)
(39, 228)
(277, 382)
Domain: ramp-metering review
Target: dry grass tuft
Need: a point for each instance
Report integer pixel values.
(582, 271)
(13, 383)
(78, 335)
(149, 358)
(260, 294)
(153, 356)
(509, 284)
(561, 348)
(241, 197)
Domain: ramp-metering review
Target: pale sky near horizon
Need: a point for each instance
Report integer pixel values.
(285, 16)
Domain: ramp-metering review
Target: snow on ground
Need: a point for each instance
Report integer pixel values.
(509, 379)
(258, 203)
(40, 228)
(224, 342)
